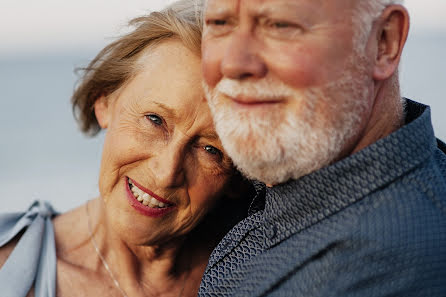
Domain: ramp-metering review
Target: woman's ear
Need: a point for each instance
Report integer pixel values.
(391, 37)
(102, 111)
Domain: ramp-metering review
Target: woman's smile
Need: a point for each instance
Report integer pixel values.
(162, 148)
(145, 201)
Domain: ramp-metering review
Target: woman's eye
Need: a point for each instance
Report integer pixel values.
(212, 150)
(214, 158)
(155, 119)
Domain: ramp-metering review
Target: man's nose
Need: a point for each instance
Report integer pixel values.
(168, 168)
(242, 58)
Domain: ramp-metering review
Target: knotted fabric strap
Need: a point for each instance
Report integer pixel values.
(33, 260)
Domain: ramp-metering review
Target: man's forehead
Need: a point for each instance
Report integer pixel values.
(233, 6)
(220, 5)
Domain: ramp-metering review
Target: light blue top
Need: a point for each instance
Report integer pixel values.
(33, 260)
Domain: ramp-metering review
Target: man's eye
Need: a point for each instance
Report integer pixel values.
(217, 27)
(280, 25)
(216, 22)
(156, 120)
(212, 150)
(281, 29)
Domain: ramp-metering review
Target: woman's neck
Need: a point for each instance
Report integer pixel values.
(164, 269)
(171, 269)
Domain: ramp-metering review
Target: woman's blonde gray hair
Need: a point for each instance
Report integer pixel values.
(117, 62)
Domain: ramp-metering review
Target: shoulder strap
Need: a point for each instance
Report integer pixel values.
(33, 260)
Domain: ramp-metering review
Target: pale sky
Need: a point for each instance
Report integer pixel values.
(39, 26)
(40, 88)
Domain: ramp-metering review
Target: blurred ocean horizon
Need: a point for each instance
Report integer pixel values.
(44, 156)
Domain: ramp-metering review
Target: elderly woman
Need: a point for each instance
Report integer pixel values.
(164, 180)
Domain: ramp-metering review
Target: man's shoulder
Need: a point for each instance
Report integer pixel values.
(382, 244)
(425, 184)
(397, 233)
(440, 157)
(441, 145)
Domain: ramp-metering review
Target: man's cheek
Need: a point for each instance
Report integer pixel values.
(211, 62)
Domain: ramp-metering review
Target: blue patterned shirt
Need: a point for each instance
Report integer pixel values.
(372, 224)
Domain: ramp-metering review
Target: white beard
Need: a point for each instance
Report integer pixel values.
(282, 145)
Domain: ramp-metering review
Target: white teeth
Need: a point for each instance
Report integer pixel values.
(145, 198)
(154, 201)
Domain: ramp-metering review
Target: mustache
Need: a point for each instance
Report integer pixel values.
(263, 89)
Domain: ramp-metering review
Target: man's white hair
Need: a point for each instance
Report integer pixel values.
(281, 145)
(366, 12)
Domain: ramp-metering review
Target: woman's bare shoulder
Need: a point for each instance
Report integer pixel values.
(71, 233)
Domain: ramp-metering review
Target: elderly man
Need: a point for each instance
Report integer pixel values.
(305, 97)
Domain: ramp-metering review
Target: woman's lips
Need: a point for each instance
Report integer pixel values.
(145, 201)
(148, 192)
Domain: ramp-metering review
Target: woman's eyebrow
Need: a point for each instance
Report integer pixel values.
(170, 111)
(210, 135)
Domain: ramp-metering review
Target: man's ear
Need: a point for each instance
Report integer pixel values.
(102, 111)
(393, 28)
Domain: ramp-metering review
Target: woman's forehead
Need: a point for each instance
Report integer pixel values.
(168, 81)
(170, 73)
(170, 52)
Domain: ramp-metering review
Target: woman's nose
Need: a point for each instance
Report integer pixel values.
(169, 168)
(241, 59)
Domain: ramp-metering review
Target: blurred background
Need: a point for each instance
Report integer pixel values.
(42, 153)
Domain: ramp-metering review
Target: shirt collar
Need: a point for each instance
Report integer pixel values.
(300, 203)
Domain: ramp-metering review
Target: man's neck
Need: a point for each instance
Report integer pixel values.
(386, 117)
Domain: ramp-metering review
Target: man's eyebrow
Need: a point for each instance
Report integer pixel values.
(219, 9)
(268, 9)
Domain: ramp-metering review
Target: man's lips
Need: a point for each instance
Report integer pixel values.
(252, 101)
